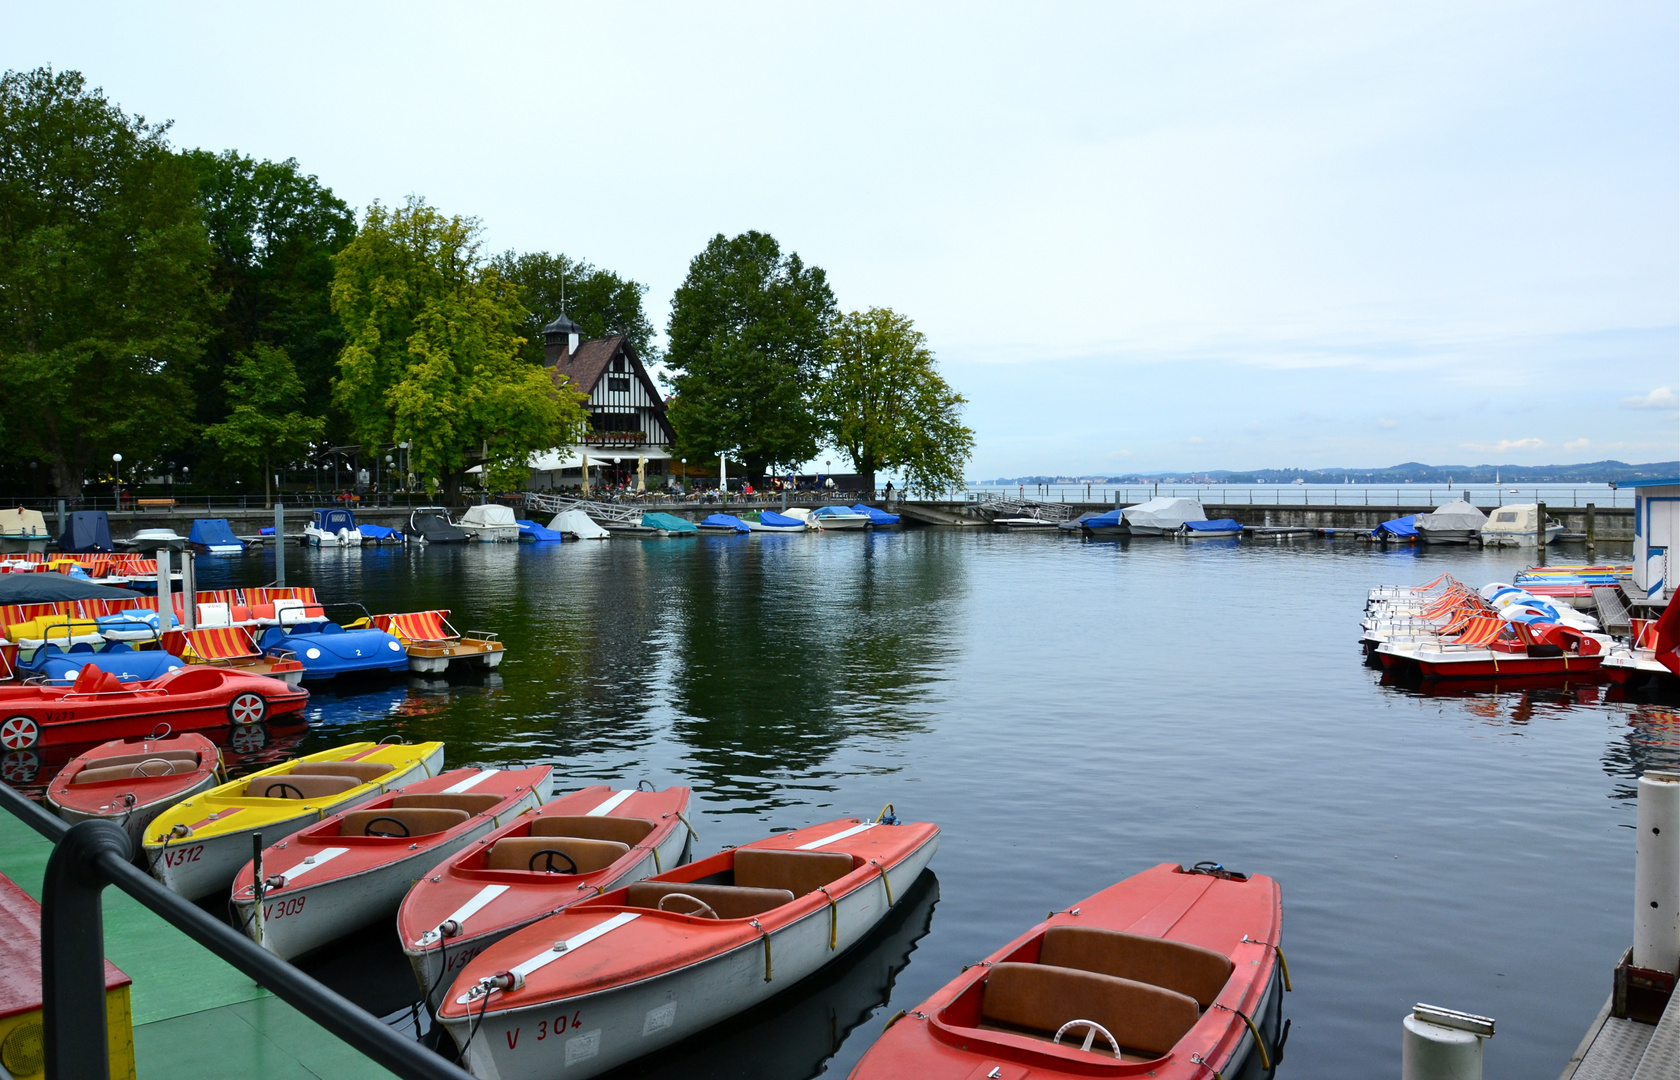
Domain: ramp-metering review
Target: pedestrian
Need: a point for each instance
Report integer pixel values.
(889, 491)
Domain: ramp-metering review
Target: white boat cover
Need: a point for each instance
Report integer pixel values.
(21, 522)
(579, 524)
(1518, 519)
(1163, 513)
(1449, 517)
(488, 516)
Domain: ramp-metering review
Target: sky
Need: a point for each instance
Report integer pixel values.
(1138, 236)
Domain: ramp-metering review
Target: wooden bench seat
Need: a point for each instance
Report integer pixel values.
(1174, 965)
(362, 771)
(728, 901)
(519, 852)
(402, 822)
(1037, 999)
(622, 830)
(300, 786)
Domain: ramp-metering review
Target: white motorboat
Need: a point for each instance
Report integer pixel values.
(838, 517)
(23, 530)
(490, 523)
(1161, 517)
(332, 528)
(1026, 524)
(770, 521)
(1451, 523)
(156, 539)
(578, 525)
(1517, 525)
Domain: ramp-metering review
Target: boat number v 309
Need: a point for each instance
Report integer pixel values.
(561, 1023)
(284, 908)
(183, 856)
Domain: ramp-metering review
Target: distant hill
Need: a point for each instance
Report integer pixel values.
(1592, 472)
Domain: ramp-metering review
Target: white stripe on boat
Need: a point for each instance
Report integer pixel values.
(314, 862)
(465, 911)
(610, 805)
(470, 782)
(853, 831)
(548, 956)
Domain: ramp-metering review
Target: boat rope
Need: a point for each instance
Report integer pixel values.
(833, 919)
(884, 879)
(1265, 1058)
(684, 819)
(888, 815)
(755, 925)
(895, 1018)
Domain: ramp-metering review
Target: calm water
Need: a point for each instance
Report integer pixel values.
(1069, 713)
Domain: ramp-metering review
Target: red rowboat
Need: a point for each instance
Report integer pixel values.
(1171, 973)
(132, 781)
(100, 707)
(576, 847)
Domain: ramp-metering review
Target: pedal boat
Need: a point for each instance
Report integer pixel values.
(432, 644)
(132, 781)
(197, 846)
(613, 978)
(1524, 650)
(328, 650)
(576, 847)
(99, 706)
(354, 868)
(1172, 973)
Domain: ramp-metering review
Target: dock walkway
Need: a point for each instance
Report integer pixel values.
(1616, 1049)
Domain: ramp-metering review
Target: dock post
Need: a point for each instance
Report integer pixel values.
(1540, 531)
(1442, 1044)
(61, 517)
(164, 588)
(1592, 531)
(279, 543)
(189, 590)
(1656, 873)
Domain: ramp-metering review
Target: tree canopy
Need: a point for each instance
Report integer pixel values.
(884, 404)
(599, 301)
(432, 353)
(105, 303)
(264, 424)
(747, 335)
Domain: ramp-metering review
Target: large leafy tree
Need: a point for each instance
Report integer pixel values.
(747, 335)
(104, 274)
(599, 301)
(264, 424)
(432, 352)
(884, 404)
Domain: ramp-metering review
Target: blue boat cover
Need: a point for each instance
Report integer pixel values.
(878, 517)
(85, 531)
(667, 522)
(377, 532)
(530, 530)
(1218, 525)
(212, 531)
(770, 517)
(1405, 527)
(726, 521)
(334, 520)
(835, 511)
(1108, 520)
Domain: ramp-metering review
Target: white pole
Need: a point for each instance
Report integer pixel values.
(163, 588)
(1656, 873)
(723, 476)
(1442, 1044)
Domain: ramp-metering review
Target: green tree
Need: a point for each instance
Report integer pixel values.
(104, 272)
(264, 422)
(599, 301)
(432, 352)
(747, 334)
(884, 404)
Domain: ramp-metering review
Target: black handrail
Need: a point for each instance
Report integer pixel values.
(93, 854)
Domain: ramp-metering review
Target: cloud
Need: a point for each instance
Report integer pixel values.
(1663, 397)
(1504, 445)
(1577, 444)
(1385, 422)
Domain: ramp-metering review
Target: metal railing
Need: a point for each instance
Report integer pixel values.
(89, 856)
(1485, 496)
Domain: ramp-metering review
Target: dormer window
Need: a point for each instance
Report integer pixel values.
(618, 364)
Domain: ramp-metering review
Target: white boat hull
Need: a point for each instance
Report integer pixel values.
(756, 527)
(140, 816)
(496, 534)
(605, 1030)
(832, 524)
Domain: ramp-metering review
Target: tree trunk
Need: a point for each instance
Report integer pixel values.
(866, 474)
(452, 489)
(67, 479)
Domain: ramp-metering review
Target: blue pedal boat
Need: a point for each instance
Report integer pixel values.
(328, 650)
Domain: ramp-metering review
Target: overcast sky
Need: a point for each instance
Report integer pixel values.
(1138, 236)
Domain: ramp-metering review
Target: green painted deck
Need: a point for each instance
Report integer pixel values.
(194, 1015)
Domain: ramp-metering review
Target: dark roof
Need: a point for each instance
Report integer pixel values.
(586, 366)
(560, 327)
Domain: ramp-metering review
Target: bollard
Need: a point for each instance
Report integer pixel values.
(1656, 873)
(279, 543)
(1592, 531)
(61, 517)
(189, 589)
(1540, 531)
(1442, 1044)
(164, 588)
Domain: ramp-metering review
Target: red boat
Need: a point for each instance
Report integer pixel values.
(1171, 973)
(132, 781)
(1507, 651)
(98, 706)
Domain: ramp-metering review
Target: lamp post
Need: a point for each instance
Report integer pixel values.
(116, 460)
(682, 479)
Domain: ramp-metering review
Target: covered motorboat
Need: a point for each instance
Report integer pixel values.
(132, 781)
(379, 534)
(152, 540)
(86, 531)
(537, 534)
(1450, 523)
(668, 525)
(1211, 530)
(214, 536)
(354, 868)
(724, 523)
(1171, 973)
(1399, 530)
(1162, 516)
(431, 525)
(839, 517)
(490, 523)
(1518, 525)
(770, 521)
(23, 531)
(332, 528)
(662, 959)
(578, 525)
(878, 519)
(1112, 523)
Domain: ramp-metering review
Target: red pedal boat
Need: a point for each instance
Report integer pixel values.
(576, 847)
(132, 781)
(1171, 973)
(98, 706)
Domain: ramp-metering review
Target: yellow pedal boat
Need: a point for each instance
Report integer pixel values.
(196, 847)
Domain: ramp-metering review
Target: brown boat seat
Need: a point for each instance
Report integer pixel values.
(623, 830)
(188, 756)
(1039, 998)
(729, 901)
(300, 786)
(516, 853)
(142, 768)
(450, 800)
(419, 821)
(799, 872)
(1187, 969)
(363, 771)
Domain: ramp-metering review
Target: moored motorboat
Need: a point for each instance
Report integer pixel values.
(1161, 516)
(658, 524)
(332, 528)
(678, 952)
(723, 523)
(1112, 523)
(878, 519)
(1170, 973)
(23, 531)
(1451, 523)
(431, 525)
(1518, 525)
(214, 536)
(1217, 529)
(1026, 523)
(839, 517)
(132, 781)
(770, 521)
(577, 846)
(490, 523)
(353, 869)
(197, 846)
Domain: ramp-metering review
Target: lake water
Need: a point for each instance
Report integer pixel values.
(1069, 713)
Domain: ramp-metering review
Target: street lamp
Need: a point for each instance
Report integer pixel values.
(117, 467)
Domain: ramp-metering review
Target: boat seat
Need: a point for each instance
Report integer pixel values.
(799, 872)
(419, 821)
(301, 786)
(622, 830)
(152, 767)
(450, 800)
(1188, 969)
(189, 756)
(516, 852)
(1039, 998)
(363, 771)
(729, 901)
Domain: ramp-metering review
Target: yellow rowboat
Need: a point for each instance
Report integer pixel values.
(196, 847)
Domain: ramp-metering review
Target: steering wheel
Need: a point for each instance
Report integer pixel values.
(140, 769)
(702, 909)
(1094, 1029)
(548, 864)
(281, 786)
(367, 830)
